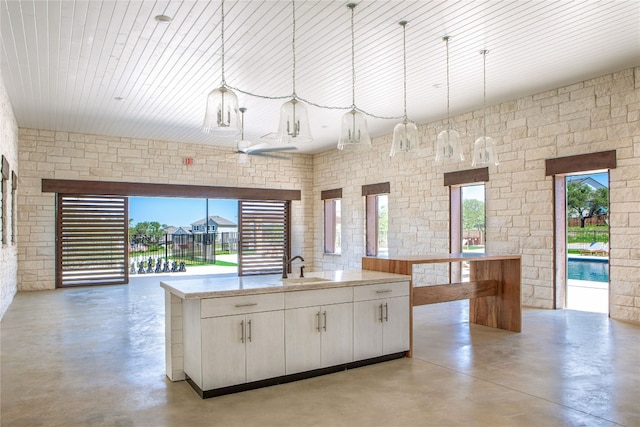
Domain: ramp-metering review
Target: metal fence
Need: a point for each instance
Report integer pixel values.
(587, 236)
(174, 252)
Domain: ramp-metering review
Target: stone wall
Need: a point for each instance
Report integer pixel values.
(595, 115)
(9, 250)
(61, 155)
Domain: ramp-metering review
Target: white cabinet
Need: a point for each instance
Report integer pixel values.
(238, 340)
(380, 320)
(318, 329)
(233, 340)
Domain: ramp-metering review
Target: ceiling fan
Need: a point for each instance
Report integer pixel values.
(263, 149)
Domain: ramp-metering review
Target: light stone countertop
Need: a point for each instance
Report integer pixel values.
(224, 286)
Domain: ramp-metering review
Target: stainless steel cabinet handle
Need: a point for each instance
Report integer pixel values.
(380, 313)
(386, 312)
(318, 321)
(249, 334)
(242, 331)
(325, 321)
(251, 304)
(384, 291)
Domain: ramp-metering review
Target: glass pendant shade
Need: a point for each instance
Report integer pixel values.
(405, 138)
(221, 118)
(294, 123)
(484, 151)
(448, 146)
(355, 133)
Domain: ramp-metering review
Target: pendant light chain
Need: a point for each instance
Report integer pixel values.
(446, 39)
(404, 61)
(293, 48)
(222, 41)
(352, 6)
(484, 90)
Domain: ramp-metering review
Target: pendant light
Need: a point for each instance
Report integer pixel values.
(484, 148)
(294, 120)
(221, 117)
(448, 142)
(405, 134)
(354, 134)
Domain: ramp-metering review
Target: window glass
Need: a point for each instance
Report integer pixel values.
(377, 223)
(332, 226)
(473, 218)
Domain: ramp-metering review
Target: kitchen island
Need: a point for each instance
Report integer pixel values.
(229, 334)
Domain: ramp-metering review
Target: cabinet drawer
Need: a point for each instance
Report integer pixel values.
(381, 290)
(314, 297)
(226, 306)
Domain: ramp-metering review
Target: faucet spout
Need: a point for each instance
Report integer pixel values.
(287, 262)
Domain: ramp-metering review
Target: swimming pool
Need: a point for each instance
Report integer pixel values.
(594, 270)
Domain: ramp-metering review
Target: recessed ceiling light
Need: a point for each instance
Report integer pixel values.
(119, 98)
(164, 19)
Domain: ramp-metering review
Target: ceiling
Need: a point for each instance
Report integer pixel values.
(108, 67)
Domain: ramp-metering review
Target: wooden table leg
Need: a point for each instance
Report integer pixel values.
(504, 310)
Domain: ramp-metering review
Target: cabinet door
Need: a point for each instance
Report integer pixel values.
(395, 330)
(264, 343)
(302, 338)
(367, 329)
(337, 334)
(223, 351)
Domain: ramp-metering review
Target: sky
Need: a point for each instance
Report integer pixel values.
(179, 212)
(602, 178)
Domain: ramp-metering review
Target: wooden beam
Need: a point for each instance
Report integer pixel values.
(380, 188)
(581, 163)
(64, 186)
(468, 176)
(336, 193)
(423, 295)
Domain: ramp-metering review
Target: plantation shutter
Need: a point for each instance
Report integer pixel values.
(91, 240)
(264, 236)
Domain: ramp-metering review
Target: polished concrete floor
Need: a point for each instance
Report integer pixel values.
(95, 357)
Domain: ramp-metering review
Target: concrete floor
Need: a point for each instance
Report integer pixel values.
(95, 357)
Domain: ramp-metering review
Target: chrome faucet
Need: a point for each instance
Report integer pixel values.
(287, 262)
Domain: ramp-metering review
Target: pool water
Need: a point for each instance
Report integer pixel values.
(588, 269)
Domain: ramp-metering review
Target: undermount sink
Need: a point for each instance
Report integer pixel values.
(296, 280)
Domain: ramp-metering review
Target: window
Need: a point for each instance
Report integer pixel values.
(332, 221)
(377, 218)
(466, 216)
(473, 218)
(4, 204)
(14, 207)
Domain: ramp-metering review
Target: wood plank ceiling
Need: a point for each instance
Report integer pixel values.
(65, 63)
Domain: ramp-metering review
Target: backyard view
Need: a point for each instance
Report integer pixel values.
(173, 234)
(588, 242)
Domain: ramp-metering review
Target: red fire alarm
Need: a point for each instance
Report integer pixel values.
(188, 160)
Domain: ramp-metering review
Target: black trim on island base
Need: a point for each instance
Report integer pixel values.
(206, 394)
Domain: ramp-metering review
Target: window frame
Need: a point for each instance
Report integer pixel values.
(14, 207)
(371, 192)
(455, 181)
(4, 201)
(329, 199)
